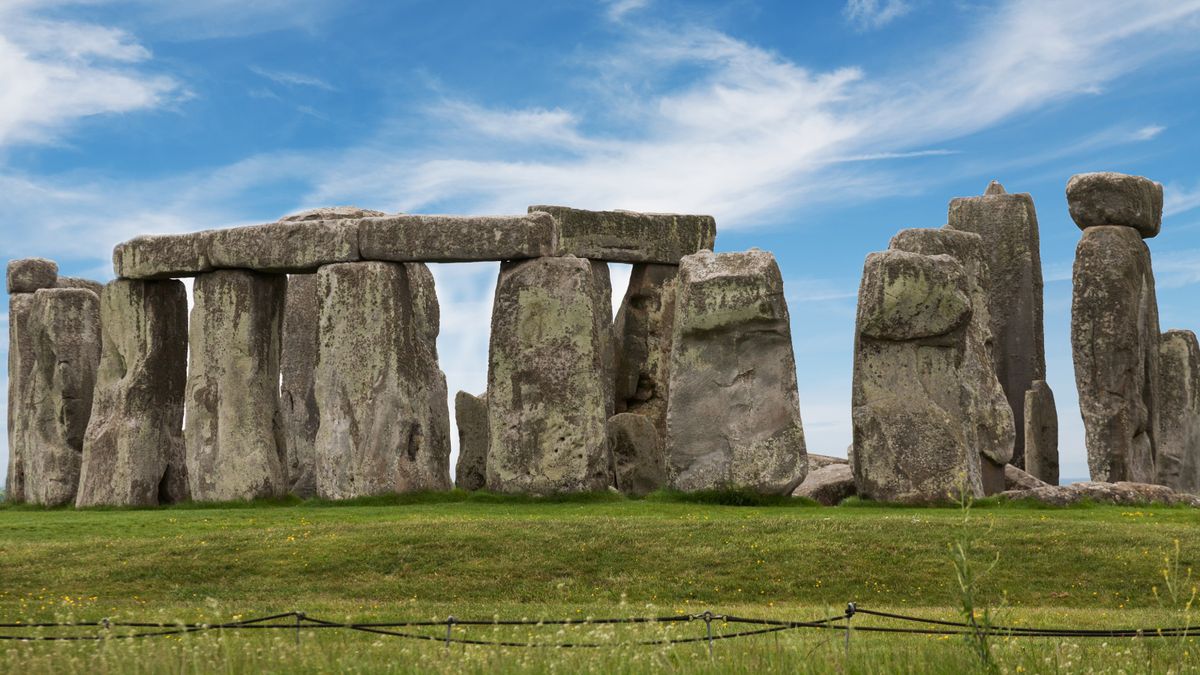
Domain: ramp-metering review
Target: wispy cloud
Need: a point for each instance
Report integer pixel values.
(1176, 269)
(874, 14)
(617, 9)
(292, 79)
(1178, 199)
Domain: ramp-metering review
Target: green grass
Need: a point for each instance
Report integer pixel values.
(483, 556)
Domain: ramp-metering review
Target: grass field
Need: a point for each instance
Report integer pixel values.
(481, 556)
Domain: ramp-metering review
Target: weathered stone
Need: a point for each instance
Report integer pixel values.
(828, 485)
(133, 449)
(77, 282)
(331, 213)
(297, 396)
(1107, 198)
(1122, 493)
(22, 336)
(1114, 339)
(638, 464)
(1041, 433)
(1018, 479)
(733, 416)
(27, 275)
(631, 237)
(162, 256)
(1177, 443)
(233, 434)
(456, 238)
(471, 417)
(547, 379)
(642, 338)
(287, 246)
(912, 436)
(816, 461)
(989, 419)
(1009, 228)
(384, 420)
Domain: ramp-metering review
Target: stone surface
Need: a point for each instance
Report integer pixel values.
(1008, 226)
(456, 238)
(828, 485)
(162, 256)
(21, 356)
(1177, 444)
(1114, 340)
(331, 213)
(630, 237)
(912, 430)
(133, 449)
(77, 282)
(642, 338)
(1107, 198)
(733, 416)
(1041, 433)
(384, 419)
(816, 461)
(291, 246)
(297, 395)
(1018, 479)
(233, 434)
(639, 467)
(548, 379)
(1121, 492)
(471, 417)
(27, 275)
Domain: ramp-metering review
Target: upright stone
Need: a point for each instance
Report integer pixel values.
(1009, 228)
(639, 467)
(1041, 433)
(133, 449)
(643, 343)
(297, 396)
(233, 436)
(733, 416)
(384, 419)
(471, 417)
(547, 379)
(1178, 440)
(21, 356)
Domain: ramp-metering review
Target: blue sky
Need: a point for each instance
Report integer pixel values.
(814, 130)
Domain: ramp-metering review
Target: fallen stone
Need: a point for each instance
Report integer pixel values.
(1114, 340)
(406, 238)
(1121, 493)
(162, 256)
(297, 395)
(1017, 479)
(547, 379)
(1107, 198)
(1177, 442)
(331, 213)
(828, 485)
(642, 333)
(818, 461)
(471, 416)
(27, 275)
(1041, 432)
(133, 448)
(733, 415)
(638, 464)
(234, 434)
(630, 237)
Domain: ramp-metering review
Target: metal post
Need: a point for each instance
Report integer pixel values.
(708, 617)
(450, 621)
(299, 618)
(850, 609)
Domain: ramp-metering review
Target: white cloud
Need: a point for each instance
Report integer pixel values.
(617, 9)
(292, 79)
(1176, 269)
(873, 14)
(1178, 199)
(1148, 132)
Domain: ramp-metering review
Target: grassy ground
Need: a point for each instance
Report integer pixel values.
(482, 557)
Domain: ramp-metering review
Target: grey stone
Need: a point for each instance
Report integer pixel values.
(1122, 493)
(908, 296)
(27, 275)
(1177, 444)
(1107, 198)
(133, 449)
(1009, 227)
(642, 333)
(471, 416)
(406, 238)
(1041, 433)
(548, 379)
(22, 336)
(77, 282)
(638, 464)
(233, 433)
(1114, 340)
(1017, 479)
(828, 485)
(162, 256)
(297, 395)
(286, 246)
(733, 415)
(331, 213)
(384, 419)
(816, 461)
(631, 237)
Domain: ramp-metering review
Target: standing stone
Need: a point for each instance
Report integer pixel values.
(1009, 228)
(733, 416)
(30, 274)
(912, 436)
(639, 467)
(548, 379)
(297, 397)
(384, 420)
(643, 343)
(21, 336)
(133, 449)
(1178, 440)
(989, 418)
(471, 416)
(1041, 433)
(233, 437)
(1114, 339)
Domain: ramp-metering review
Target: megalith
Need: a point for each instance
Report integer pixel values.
(642, 338)
(297, 396)
(1108, 198)
(549, 378)
(133, 449)
(1008, 226)
(639, 467)
(1041, 433)
(733, 415)
(1178, 442)
(233, 434)
(20, 380)
(384, 418)
(471, 418)
(27, 275)
(911, 420)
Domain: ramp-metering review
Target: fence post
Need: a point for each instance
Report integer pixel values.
(450, 621)
(708, 617)
(850, 609)
(299, 618)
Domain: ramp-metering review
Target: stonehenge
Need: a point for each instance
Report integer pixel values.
(471, 418)
(1177, 456)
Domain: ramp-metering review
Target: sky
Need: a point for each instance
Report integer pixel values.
(812, 130)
